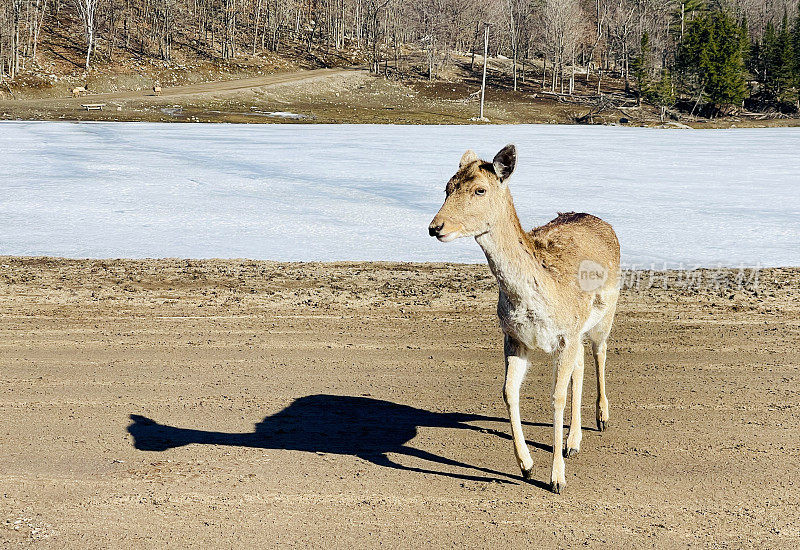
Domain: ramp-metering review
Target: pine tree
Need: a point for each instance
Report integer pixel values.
(663, 93)
(766, 64)
(711, 59)
(775, 67)
(642, 68)
(796, 52)
(755, 61)
(783, 62)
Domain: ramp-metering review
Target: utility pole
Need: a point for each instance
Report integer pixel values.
(485, 55)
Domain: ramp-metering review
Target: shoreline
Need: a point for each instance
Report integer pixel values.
(244, 118)
(44, 259)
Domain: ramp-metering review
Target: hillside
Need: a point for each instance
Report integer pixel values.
(404, 87)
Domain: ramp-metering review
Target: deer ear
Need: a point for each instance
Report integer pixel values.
(505, 161)
(467, 158)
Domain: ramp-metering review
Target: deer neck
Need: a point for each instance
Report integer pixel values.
(510, 254)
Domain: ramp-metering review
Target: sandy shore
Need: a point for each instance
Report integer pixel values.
(177, 403)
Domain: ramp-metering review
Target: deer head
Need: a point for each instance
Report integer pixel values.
(477, 196)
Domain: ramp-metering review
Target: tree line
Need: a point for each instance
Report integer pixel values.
(704, 54)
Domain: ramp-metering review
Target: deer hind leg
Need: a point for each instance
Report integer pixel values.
(575, 434)
(516, 366)
(562, 371)
(598, 336)
(599, 354)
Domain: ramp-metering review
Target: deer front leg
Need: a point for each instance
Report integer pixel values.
(575, 434)
(562, 370)
(516, 366)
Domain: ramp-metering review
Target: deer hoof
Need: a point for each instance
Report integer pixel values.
(557, 487)
(602, 425)
(527, 474)
(570, 453)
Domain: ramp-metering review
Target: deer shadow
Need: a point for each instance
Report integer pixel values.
(364, 427)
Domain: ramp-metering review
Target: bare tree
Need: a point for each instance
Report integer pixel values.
(375, 30)
(562, 24)
(86, 10)
(518, 14)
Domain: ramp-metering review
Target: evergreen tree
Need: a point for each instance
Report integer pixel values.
(769, 45)
(755, 61)
(662, 94)
(796, 51)
(711, 58)
(782, 62)
(775, 64)
(642, 68)
(657, 92)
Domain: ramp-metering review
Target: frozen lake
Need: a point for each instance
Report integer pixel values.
(340, 192)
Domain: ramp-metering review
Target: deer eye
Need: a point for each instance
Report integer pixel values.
(480, 191)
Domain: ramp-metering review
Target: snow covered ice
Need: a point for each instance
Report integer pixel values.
(368, 192)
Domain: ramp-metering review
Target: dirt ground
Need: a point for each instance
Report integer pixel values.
(239, 404)
(333, 95)
(339, 95)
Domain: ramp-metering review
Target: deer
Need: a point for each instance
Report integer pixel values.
(558, 286)
(157, 90)
(78, 91)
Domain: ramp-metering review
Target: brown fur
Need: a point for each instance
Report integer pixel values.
(563, 241)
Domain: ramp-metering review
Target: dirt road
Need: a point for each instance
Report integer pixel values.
(193, 90)
(146, 404)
